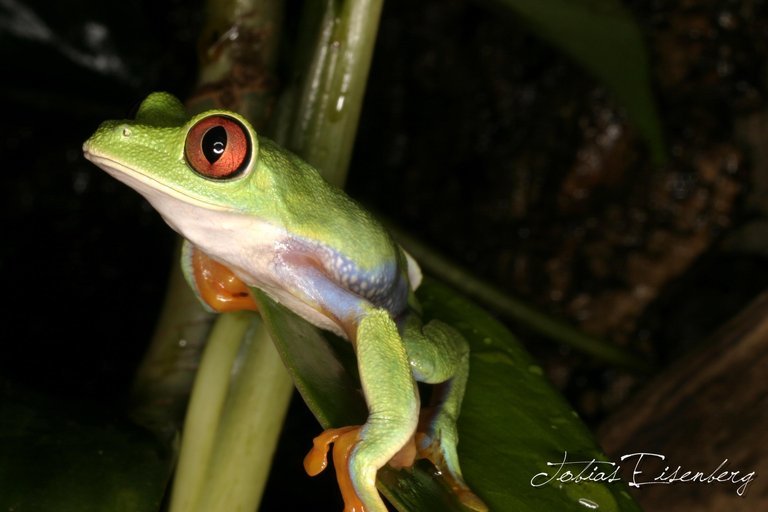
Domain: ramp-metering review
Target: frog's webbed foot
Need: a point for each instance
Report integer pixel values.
(216, 286)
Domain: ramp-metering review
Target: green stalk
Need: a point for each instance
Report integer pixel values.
(249, 427)
(327, 104)
(205, 409)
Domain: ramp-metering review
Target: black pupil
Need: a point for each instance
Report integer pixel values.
(214, 143)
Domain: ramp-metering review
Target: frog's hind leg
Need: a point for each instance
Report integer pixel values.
(439, 355)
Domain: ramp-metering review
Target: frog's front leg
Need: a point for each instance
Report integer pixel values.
(439, 355)
(393, 405)
(393, 402)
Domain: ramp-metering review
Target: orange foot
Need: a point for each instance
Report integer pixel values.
(222, 290)
(344, 440)
(315, 462)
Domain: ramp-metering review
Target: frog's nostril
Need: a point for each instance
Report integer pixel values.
(125, 131)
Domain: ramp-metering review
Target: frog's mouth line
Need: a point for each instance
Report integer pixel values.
(144, 184)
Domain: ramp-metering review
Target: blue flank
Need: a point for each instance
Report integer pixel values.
(386, 286)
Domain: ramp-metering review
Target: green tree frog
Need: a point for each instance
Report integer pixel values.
(253, 215)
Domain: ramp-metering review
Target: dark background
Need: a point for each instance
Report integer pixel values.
(477, 137)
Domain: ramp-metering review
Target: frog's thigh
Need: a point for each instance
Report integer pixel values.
(392, 397)
(437, 352)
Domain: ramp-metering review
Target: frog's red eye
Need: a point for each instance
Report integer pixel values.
(218, 147)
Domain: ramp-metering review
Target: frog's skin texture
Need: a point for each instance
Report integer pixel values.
(260, 217)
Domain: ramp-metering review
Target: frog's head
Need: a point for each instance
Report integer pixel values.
(204, 161)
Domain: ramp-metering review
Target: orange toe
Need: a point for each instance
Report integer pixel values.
(316, 460)
(343, 440)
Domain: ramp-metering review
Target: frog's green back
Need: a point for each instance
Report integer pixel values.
(308, 206)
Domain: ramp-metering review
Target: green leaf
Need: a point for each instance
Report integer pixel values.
(53, 458)
(512, 422)
(604, 38)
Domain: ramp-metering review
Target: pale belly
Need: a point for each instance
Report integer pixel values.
(311, 280)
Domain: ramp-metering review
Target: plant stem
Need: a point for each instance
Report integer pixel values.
(249, 426)
(206, 404)
(325, 115)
